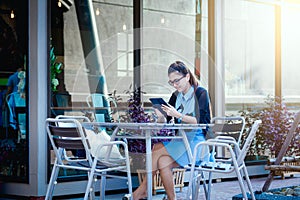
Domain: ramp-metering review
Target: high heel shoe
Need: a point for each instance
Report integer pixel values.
(126, 197)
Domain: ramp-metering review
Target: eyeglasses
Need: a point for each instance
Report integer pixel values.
(176, 81)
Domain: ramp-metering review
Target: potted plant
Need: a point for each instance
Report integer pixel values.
(276, 122)
(258, 148)
(55, 69)
(137, 114)
(60, 97)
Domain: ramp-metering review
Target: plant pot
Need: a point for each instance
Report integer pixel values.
(256, 160)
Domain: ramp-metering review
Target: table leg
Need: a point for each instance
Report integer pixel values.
(187, 145)
(149, 163)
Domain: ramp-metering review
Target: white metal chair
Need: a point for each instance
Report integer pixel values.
(106, 108)
(67, 133)
(228, 126)
(234, 163)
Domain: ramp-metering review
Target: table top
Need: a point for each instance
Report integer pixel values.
(145, 126)
(143, 130)
(76, 108)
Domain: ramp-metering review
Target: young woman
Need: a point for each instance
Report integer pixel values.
(189, 104)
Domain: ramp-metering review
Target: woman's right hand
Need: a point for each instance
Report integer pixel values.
(160, 117)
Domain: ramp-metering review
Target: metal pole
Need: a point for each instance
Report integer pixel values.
(91, 46)
(278, 85)
(137, 42)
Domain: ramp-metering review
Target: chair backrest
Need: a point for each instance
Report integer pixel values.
(65, 138)
(248, 141)
(106, 107)
(70, 124)
(229, 126)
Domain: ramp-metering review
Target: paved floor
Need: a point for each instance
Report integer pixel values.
(224, 190)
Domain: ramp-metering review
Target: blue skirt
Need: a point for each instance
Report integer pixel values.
(177, 150)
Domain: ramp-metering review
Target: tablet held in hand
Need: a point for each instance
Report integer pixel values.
(157, 102)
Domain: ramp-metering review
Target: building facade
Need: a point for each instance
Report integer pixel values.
(241, 51)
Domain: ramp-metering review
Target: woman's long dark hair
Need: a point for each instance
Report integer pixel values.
(180, 67)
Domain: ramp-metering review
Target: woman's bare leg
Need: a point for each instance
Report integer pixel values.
(166, 164)
(157, 151)
(141, 191)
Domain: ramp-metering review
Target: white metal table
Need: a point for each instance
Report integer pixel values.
(148, 132)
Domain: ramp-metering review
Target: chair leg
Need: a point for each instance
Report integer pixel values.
(248, 182)
(240, 179)
(129, 181)
(190, 185)
(92, 195)
(52, 183)
(193, 189)
(90, 185)
(191, 182)
(194, 185)
(209, 186)
(197, 184)
(205, 186)
(102, 187)
(129, 184)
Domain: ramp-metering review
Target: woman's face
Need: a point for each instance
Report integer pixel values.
(179, 81)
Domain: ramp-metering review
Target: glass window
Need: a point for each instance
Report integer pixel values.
(250, 52)
(173, 30)
(125, 55)
(169, 33)
(290, 59)
(94, 47)
(249, 46)
(13, 90)
(108, 53)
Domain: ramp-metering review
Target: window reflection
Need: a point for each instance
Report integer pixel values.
(13, 89)
(95, 46)
(260, 44)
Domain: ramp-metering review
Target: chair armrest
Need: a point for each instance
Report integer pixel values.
(73, 158)
(110, 148)
(216, 143)
(213, 144)
(226, 140)
(222, 137)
